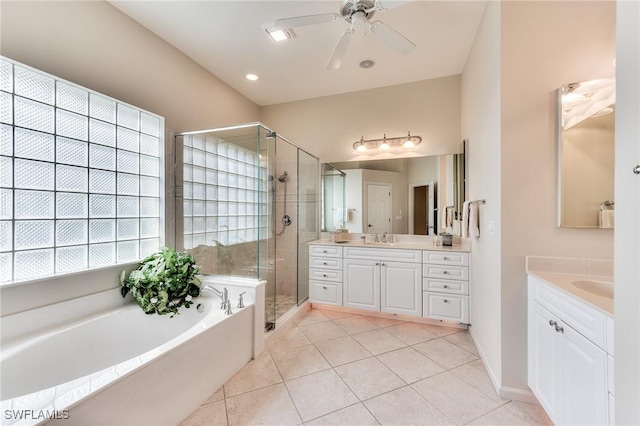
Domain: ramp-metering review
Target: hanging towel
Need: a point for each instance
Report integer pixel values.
(474, 221)
(607, 218)
(465, 219)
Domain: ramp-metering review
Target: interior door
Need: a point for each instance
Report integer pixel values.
(433, 209)
(420, 210)
(378, 208)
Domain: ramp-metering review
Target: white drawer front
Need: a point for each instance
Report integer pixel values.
(325, 251)
(610, 376)
(610, 331)
(448, 272)
(584, 319)
(321, 292)
(325, 275)
(445, 258)
(445, 286)
(445, 307)
(400, 255)
(326, 263)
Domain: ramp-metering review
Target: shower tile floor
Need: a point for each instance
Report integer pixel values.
(282, 304)
(334, 368)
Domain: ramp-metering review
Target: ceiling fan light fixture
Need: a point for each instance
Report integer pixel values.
(280, 34)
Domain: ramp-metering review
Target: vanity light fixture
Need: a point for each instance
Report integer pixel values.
(384, 144)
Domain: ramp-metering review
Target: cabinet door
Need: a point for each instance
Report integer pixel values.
(583, 380)
(361, 288)
(401, 285)
(544, 352)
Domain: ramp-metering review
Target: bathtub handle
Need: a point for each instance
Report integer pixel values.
(240, 301)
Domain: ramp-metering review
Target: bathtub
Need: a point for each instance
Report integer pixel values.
(99, 360)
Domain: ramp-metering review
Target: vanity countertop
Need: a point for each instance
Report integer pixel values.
(407, 245)
(562, 276)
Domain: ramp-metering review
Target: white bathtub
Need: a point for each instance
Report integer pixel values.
(95, 360)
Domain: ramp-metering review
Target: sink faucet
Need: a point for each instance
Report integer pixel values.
(376, 238)
(384, 237)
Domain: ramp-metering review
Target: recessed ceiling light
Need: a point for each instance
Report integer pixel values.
(367, 63)
(251, 77)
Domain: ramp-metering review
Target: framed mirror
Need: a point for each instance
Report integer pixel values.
(420, 195)
(586, 129)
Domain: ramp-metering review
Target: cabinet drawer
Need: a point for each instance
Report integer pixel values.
(584, 319)
(325, 251)
(610, 376)
(445, 258)
(325, 275)
(448, 272)
(445, 307)
(321, 292)
(399, 255)
(326, 263)
(612, 410)
(445, 286)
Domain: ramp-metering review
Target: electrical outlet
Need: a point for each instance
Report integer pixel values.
(490, 226)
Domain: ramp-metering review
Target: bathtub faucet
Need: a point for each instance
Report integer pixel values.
(224, 294)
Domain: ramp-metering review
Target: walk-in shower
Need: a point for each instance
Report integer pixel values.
(247, 204)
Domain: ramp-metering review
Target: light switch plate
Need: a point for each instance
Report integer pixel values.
(490, 225)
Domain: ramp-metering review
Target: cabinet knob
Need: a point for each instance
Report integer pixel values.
(324, 251)
(324, 263)
(446, 301)
(446, 286)
(445, 258)
(324, 275)
(552, 323)
(559, 329)
(324, 287)
(384, 264)
(445, 272)
(377, 263)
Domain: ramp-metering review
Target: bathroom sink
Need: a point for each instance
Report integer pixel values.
(600, 288)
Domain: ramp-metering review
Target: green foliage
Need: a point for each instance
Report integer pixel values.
(163, 282)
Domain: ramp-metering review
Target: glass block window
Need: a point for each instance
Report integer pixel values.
(224, 190)
(80, 177)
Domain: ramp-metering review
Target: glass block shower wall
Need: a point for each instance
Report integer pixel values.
(80, 177)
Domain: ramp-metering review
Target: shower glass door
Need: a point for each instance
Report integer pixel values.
(308, 210)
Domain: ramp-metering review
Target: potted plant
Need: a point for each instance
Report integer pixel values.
(164, 281)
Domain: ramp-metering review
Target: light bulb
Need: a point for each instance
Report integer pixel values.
(361, 148)
(408, 144)
(384, 145)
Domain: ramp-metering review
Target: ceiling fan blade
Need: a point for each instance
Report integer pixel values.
(340, 50)
(301, 21)
(392, 38)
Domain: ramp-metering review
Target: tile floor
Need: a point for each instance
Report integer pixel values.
(335, 368)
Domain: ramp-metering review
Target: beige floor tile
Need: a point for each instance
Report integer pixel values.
(404, 407)
(312, 316)
(319, 394)
(319, 331)
(459, 401)
(213, 414)
(500, 417)
(476, 375)
(463, 340)
(410, 364)
(216, 396)
(379, 341)
(266, 406)
(444, 353)
(384, 322)
(258, 373)
(411, 333)
(441, 330)
(299, 362)
(335, 314)
(369, 377)
(355, 324)
(533, 413)
(354, 415)
(290, 339)
(342, 350)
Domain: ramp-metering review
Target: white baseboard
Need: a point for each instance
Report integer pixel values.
(516, 394)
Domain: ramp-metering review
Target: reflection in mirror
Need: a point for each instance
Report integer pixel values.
(333, 214)
(421, 195)
(586, 154)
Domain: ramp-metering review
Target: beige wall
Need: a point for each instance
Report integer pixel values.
(543, 45)
(481, 127)
(93, 44)
(329, 126)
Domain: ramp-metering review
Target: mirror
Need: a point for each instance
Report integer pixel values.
(586, 154)
(333, 213)
(421, 195)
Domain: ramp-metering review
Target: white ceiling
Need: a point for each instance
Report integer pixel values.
(227, 39)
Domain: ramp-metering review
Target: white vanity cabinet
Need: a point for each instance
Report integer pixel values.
(384, 280)
(567, 367)
(325, 274)
(445, 286)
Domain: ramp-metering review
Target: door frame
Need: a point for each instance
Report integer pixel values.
(412, 202)
(365, 202)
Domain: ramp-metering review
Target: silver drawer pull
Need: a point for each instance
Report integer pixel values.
(446, 301)
(324, 263)
(384, 264)
(324, 251)
(559, 329)
(552, 323)
(324, 287)
(445, 258)
(324, 275)
(444, 272)
(446, 286)
(377, 264)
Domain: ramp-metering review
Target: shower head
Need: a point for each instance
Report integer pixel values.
(283, 176)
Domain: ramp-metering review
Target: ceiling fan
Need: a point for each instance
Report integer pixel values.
(358, 13)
